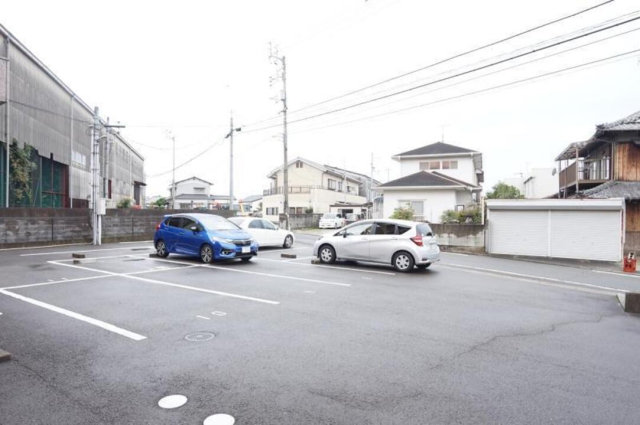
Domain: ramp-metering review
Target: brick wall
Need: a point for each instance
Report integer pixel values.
(39, 226)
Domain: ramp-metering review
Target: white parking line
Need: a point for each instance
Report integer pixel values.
(266, 250)
(56, 281)
(99, 323)
(175, 285)
(43, 246)
(298, 259)
(203, 317)
(635, 276)
(229, 269)
(329, 267)
(534, 277)
(86, 250)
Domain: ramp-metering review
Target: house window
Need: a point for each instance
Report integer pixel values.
(332, 184)
(299, 164)
(416, 206)
(449, 165)
(430, 165)
(340, 186)
(198, 189)
(272, 211)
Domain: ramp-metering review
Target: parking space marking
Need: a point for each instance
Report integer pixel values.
(44, 246)
(329, 267)
(30, 285)
(85, 250)
(298, 259)
(257, 273)
(534, 277)
(203, 317)
(218, 313)
(266, 251)
(635, 276)
(175, 285)
(99, 323)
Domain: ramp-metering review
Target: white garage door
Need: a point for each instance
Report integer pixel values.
(579, 234)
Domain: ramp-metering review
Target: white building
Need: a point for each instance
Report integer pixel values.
(314, 186)
(434, 178)
(194, 193)
(538, 183)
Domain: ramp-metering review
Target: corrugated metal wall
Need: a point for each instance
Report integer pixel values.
(46, 116)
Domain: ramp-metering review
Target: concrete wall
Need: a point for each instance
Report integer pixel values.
(460, 237)
(303, 221)
(33, 226)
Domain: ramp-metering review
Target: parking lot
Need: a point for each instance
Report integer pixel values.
(282, 341)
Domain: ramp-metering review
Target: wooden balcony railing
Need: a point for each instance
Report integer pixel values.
(589, 171)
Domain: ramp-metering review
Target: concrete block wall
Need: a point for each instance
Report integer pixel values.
(39, 226)
(303, 221)
(462, 237)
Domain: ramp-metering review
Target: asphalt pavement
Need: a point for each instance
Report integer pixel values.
(281, 341)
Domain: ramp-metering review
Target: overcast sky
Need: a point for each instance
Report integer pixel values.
(183, 66)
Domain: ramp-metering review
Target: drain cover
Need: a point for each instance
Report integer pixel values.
(199, 336)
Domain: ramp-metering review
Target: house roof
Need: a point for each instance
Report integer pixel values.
(427, 179)
(193, 178)
(439, 148)
(338, 172)
(630, 191)
(252, 198)
(201, 197)
(630, 123)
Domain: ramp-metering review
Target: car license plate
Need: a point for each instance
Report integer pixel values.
(246, 249)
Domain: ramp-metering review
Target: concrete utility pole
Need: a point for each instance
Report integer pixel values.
(285, 169)
(95, 164)
(230, 137)
(7, 117)
(371, 183)
(173, 179)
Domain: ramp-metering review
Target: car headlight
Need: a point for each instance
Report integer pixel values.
(221, 240)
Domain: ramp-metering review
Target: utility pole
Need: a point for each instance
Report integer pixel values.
(95, 131)
(230, 137)
(173, 179)
(285, 169)
(7, 117)
(371, 183)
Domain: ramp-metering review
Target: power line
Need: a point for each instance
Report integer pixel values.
(456, 56)
(217, 143)
(454, 76)
(500, 86)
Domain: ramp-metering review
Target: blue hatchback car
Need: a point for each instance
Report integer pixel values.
(207, 236)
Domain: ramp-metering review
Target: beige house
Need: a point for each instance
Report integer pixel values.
(314, 186)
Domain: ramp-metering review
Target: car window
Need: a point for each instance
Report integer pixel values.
(403, 229)
(215, 222)
(174, 222)
(359, 229)
(385, 229)
(329, 216)
(424, 230)
(268, 225)
(256, 224)
(187, 223)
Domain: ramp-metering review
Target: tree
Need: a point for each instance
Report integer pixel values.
(21, 169)
(470, 215)
(504, 191)
(402, 214)
(160, 203)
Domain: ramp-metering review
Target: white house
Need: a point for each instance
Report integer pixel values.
(194, 193)
(313, 186)
(434, 178)
(538, 183)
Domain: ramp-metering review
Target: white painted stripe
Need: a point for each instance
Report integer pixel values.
(202, 317)
(159, 282)
(350, 269)
(44, 246)
(454, 253)
(86, 250)
(298, 259)
(230, 269)
(77, 316)
(151, 241)
(632, 275)
(56, 281)
(534, 277)
(266, 250)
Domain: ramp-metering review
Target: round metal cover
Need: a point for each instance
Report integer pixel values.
(199, 336)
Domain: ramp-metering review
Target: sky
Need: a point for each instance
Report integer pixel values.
(183, 68)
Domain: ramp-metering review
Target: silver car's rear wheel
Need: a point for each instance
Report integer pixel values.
(403, 261)
(327, 254)
(206, 254)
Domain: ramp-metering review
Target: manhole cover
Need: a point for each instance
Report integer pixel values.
(199, 336)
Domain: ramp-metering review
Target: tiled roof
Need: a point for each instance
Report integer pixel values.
(630, 191)
(252, 198)
(630, 123)
(439, 148)
(426, 179)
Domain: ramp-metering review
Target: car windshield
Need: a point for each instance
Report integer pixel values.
(329, 216)
(215, 222)
(424, 230)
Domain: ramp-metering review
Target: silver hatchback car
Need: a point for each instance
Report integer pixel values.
(403, 244)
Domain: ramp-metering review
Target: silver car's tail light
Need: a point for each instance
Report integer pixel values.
(417, 240)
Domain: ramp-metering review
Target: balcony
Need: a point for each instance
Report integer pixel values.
(590, 173)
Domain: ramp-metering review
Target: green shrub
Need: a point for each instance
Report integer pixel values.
(124, 203)
(470, 215)
(402, 214)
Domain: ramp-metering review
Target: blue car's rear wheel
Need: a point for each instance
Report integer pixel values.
(206, 253)
(161, 249)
